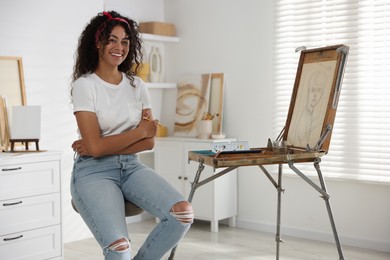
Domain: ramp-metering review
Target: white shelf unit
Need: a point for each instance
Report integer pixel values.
(159, 38)
(160, 85)
(157, 88)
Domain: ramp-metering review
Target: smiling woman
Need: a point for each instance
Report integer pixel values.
(114, 118)
(100, 34)
(112, 54)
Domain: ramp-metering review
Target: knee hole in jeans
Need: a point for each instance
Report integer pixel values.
(183, 212)
(120, 245)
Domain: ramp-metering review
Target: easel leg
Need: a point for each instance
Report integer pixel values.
(324, 194)
(278, 186)
(329, 209)
(279, 210)
(193, 188)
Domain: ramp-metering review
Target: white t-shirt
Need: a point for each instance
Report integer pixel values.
(118, 107)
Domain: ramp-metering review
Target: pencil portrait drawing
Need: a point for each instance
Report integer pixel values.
(311, 103)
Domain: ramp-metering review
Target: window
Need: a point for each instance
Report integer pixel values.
(360, 145)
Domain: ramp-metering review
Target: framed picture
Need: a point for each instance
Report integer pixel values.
(315, 96)
(12, 81)
(4, 127)
(12, 91)
(216, 101)
(192, 103)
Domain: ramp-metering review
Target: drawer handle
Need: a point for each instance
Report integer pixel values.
(11, 169)
(13, 203)
(12, 238)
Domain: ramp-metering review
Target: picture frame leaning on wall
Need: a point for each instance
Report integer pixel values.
(12, 92)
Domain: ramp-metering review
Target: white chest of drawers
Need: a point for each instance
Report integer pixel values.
(30, 206)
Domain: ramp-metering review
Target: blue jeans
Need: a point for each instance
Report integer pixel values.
(99, 187)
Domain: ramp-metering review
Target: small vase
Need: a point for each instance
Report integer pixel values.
(204, 129)
(155, 65)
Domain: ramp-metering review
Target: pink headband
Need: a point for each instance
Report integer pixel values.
(103, 26)
(108, 15)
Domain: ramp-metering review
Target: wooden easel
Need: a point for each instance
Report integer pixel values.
(25, 142)
(297, 147)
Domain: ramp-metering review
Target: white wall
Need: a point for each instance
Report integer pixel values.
(235, 37)
(221, 36)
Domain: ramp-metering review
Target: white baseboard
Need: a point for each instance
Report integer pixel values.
(383, 246)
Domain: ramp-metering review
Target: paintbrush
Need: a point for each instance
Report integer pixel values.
(148, 119)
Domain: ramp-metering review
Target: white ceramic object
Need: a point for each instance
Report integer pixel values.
(218, 136)
(204, 128)
(155, 65)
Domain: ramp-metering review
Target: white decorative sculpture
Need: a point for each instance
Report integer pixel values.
(155, 65)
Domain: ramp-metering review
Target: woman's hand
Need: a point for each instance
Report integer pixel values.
(95, 145)
(147, 113)
(149, 126)
(79, 147)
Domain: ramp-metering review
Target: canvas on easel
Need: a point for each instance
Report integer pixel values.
(315, 96)
(26, 126)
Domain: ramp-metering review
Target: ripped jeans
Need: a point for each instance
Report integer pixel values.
(98, 188)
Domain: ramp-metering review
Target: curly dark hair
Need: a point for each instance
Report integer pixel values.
(98, 30)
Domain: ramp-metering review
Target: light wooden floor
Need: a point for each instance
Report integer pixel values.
(228, 243)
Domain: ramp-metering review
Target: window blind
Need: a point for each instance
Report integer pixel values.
(360, 145)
